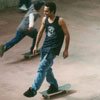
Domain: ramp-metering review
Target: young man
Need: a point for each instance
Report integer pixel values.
(56, 31)
(26, 28)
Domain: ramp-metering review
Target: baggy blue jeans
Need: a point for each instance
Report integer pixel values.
(45, 70)
(19, 36)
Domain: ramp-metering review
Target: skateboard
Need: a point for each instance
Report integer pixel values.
(62, 89)
(28, 56)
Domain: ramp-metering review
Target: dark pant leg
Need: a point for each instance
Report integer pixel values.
(33, 35)
(19, 36)
(21, 2)
(27, 3)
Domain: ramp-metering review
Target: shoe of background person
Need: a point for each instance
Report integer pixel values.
(52, 89)
(2, 50)
(31, 53)
(30, 92)
(23, 8)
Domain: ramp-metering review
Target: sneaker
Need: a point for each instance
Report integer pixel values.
(2, 50)
(23, 8)
(30, 92)
(52, 89)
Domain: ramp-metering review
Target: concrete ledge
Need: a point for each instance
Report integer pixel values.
(8, 3)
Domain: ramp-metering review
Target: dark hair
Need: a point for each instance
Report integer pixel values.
(38, 5)
(52, 6)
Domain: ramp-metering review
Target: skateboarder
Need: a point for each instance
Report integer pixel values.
(56, 31)
(26, 28)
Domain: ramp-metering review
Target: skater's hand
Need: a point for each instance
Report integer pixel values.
(35, 50)
(65, 54)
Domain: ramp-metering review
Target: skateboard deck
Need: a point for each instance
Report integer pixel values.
(28, 56)
(62, 89)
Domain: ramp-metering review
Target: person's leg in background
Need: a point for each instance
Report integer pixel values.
(33, 34)
(19, 36)
(5, 47)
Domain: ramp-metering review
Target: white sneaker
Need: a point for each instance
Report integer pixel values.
(23, 8)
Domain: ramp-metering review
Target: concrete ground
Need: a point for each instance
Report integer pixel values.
(81, 69)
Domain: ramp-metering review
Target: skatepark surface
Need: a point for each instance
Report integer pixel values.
(81, 69)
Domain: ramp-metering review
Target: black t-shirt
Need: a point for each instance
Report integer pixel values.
(54, 36)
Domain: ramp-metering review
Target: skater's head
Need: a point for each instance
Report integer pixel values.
(51, 6)
(38, 5)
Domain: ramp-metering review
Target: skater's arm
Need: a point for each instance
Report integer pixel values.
(31, 21)
(66, 36)
(39, 36)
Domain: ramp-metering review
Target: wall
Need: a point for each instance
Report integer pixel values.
(12, 3)
(8, 3)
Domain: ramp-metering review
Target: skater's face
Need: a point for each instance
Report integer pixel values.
(47, 11)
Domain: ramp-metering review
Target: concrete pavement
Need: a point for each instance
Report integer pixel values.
(81, 69)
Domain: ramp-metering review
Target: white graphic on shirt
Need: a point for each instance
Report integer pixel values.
(51, 31)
